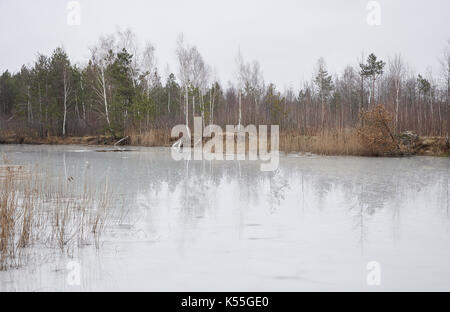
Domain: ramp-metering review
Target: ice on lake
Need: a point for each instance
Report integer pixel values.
(314, 224)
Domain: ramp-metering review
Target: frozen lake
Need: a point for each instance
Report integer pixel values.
(224, 225)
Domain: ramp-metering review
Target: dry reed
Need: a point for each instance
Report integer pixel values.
(37, 213)
(151, 137)
(340, 142)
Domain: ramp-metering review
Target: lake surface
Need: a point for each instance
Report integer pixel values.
(312, 225)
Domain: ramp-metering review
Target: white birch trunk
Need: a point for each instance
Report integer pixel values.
(240, 108)
(65, 101)
(186, 107)
(102, 73)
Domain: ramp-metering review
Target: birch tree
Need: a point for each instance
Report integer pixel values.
(396, 73)
(148, 65)
(67, 88)
(240, 73)
(184, 65)
(445, 68)
(102, 57)
(62, 73)
(127, 40)
(200, 74)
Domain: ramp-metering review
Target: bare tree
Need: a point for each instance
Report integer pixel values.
(253, 81)
(67, 89)
(101, 59)
(127, 40)
(431, 94)
(193, 72)
(241, 74)
(184, 65)
(200, 75)
(148, 64)
(445, 65)
(249, 80)
(396, 73)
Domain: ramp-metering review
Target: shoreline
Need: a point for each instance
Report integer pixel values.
(289, 143)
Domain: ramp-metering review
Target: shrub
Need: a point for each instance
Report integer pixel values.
(375, 131)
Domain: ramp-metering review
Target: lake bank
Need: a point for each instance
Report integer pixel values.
(343, 143)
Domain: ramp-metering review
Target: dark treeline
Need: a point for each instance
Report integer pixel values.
(120, 90)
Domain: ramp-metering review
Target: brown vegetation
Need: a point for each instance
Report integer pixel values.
(375, 132)
(343, 142)
(338, 142)
(373, 136)
(151, 137)
(35, 213)
(432, 146)
(9, 137)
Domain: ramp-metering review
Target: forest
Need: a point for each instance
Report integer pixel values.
(119, 91)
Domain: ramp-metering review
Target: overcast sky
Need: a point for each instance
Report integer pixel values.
(285, 36)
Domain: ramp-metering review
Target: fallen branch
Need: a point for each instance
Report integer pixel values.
(122, 139)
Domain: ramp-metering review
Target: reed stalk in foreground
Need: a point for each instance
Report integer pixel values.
(35, 213)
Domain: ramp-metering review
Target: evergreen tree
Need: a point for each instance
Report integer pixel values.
(372, 70)
(324, 86)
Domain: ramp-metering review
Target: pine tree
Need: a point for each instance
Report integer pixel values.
(324, 85)
(372, 70)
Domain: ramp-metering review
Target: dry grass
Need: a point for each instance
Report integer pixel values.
(328, 142)
(151, 137)
(372, 137)
(36, 213)
(14, 138)
(432, 146)
(344, 142)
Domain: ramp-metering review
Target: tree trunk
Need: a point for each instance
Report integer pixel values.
(240, 107)
(397, 86)
(168, 101)
(373, 92)
(104, 96)
(186, 107)
(82, 102)
(65, 102)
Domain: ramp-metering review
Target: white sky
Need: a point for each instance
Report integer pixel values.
(285, 36)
